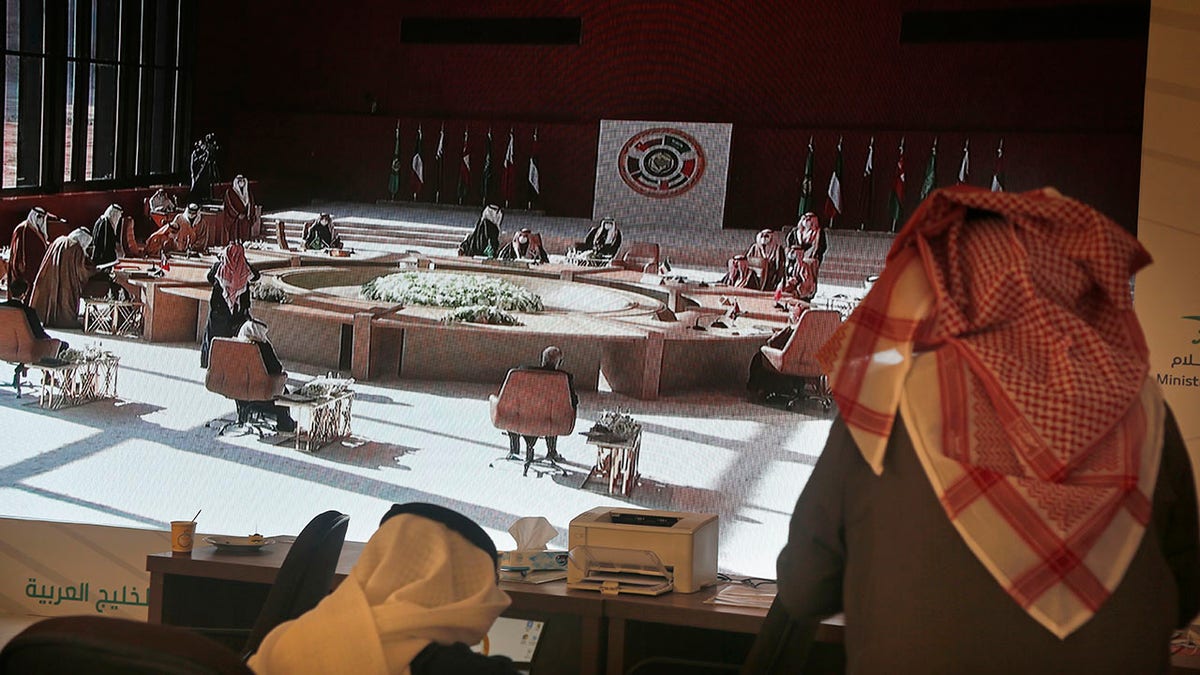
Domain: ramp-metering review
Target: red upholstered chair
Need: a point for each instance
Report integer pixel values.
(641, 257)
(797, 358)
(236, 371)
(534, 403)
(18, 345)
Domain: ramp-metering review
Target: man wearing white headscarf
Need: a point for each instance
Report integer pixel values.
(525, 245)
(239, 213)
(256, 331)
(28, 246)
(320, 233)
(766, 247)
(59, 286)
(602, 240)
(484, 240)
(106, 233)
(423, 588)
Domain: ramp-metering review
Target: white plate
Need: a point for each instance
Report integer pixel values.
(238, 543)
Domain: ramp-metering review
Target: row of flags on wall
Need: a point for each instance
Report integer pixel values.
(411, 179)
(833, 205)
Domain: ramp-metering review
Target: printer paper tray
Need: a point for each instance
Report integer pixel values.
(614, 583)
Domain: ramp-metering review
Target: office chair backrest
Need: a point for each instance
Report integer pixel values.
(105, 646)
(305, 577)
(782, 646)
(641, 256)
(813, 330)
(17, 343)
(534, 403)
(236, 370)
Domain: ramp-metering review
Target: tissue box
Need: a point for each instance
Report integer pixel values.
(534, 560)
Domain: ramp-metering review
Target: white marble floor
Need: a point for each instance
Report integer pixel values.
(148, 458)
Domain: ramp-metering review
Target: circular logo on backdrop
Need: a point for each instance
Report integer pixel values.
(661, 162)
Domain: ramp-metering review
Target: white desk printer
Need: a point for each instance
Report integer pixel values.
(686, 543)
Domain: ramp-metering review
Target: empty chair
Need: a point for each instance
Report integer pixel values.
(106, 646)
(18, 344)
(798, 356)
(236, 371)
(534, 403)
(304, 579)
(641, 257)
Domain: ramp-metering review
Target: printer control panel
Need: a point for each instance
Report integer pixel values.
(627, 518)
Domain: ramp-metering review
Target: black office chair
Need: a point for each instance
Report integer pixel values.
(105, 646)
(304, 578)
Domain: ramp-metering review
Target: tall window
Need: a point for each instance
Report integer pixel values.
(95, 91)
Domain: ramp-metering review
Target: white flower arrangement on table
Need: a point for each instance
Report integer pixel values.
(5, 253)
(88, 354)
(451, 290)
(325, 386)
(615, 424)
(268, 290)
(486, 314)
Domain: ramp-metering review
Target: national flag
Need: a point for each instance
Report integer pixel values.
(806, 186)
(418, 167)
(868, 186)
(438, 156)
(998, 174)
(487, 166)
(394, 178)
(464, 169)
(535, 186)
(833, 201)
(896, 201)
(964, 169)
(507, 171)
(930, 181)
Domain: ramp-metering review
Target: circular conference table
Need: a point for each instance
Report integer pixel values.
(643, 336)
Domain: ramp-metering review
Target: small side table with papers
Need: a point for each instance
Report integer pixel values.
(320, 420)
(70, 384)
(616, 460)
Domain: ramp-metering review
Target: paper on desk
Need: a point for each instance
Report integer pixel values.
(740, 595)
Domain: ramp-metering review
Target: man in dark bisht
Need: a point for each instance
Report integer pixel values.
(525, 245)
(106, 235)
(739, 274)
(319, 233)
(484, 240)
(767, 247)
(602, 240)
(229, 306)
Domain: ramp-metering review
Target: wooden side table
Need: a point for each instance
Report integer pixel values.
(73, 384)
(112, 317)
(616, 460)
(320, 421)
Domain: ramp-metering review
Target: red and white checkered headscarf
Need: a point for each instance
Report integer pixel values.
(233, 274)
(1003, 329)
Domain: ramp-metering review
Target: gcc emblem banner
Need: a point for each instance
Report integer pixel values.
(667, 173)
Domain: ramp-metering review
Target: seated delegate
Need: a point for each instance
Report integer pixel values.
(256, 331)
(552, 359)
(422, 591)
(320, 233)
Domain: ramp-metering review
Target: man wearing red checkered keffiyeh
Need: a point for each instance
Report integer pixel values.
(1060, 533)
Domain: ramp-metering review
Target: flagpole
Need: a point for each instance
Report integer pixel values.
(898, 188)
(437, 192)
